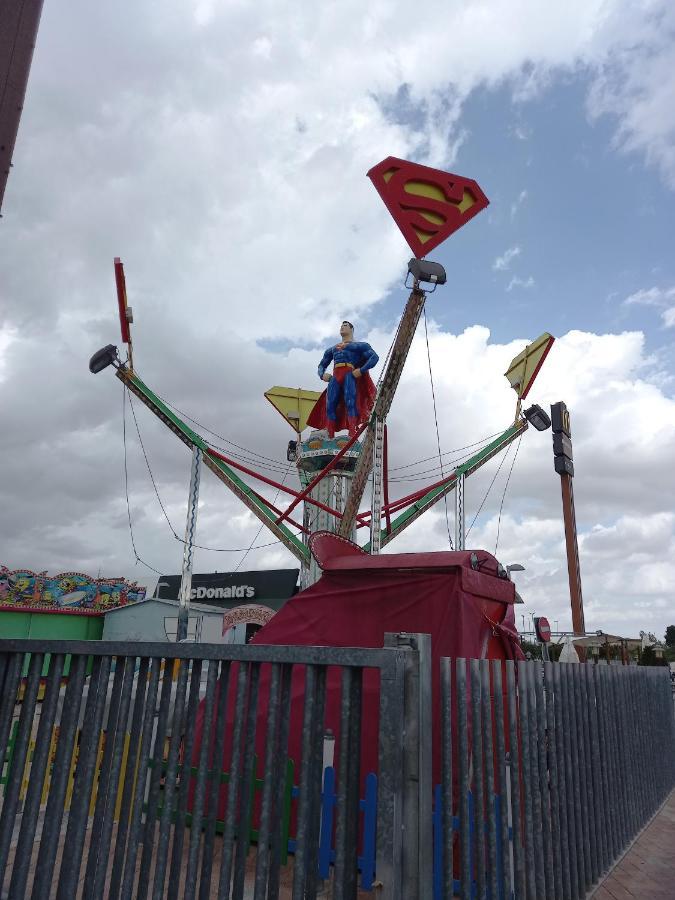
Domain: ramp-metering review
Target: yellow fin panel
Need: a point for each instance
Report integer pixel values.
(294, 404)
(525, 367)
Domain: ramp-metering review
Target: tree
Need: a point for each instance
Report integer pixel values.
(534, 648)
(648, 657)
(531, 647)
(670, 636)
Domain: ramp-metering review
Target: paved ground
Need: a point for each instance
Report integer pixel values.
(647, 870)
(286, 873)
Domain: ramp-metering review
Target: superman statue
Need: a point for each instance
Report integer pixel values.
(347, 400)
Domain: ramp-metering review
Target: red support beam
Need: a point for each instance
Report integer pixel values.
(278, 511)
(313, 483)
(265, 480)
(396, 505)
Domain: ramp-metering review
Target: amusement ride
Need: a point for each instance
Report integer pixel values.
(333, 468)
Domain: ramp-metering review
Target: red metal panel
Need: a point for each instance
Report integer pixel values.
(428, 205)
(120, 283)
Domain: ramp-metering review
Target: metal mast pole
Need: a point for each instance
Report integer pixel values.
(376, 503)
(383, 401)
(188, 551)
(460, 523)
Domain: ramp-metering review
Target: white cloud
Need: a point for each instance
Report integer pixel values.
(236, 135)
(636, 83)
(520, 282)
(657, 297)
(654, 296)
(220, 149)
(7, 335)
(518, 202)
(502, 262)
(522, 132)
(621, 424)
(630, 520)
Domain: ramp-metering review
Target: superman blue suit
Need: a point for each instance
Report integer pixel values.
(347, 400)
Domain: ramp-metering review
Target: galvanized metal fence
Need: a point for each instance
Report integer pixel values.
(544, 772)
(86, 816)
(548, 772)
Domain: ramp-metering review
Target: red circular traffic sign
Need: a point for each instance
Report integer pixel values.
(543, 628)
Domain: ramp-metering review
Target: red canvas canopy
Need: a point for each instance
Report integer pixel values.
(458, 598)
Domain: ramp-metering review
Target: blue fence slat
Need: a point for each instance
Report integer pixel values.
(502, 853)
(328, 801)
(368, 806)
(369, 833)
(500, 849)
(438, 842)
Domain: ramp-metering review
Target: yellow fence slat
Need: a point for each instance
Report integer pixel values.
(97, 773)
(71, 773)
(120, 783)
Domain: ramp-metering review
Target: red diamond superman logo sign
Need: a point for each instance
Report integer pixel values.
(427, 205)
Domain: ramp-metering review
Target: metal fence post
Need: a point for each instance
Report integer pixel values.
(390, 788)
(417, 837)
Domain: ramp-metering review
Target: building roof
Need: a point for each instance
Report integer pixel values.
(194, 607)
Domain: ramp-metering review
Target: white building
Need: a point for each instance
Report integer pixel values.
(154, 619)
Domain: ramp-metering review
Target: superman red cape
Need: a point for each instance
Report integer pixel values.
(365, 395)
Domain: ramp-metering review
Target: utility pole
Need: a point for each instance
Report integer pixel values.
(564, 466)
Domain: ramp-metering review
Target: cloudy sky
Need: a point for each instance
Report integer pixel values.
(220, 149)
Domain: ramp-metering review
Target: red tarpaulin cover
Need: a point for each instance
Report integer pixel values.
(467, 610)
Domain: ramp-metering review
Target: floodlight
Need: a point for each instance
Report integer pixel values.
(102, 359)
(536, 416)
(426, 272)
(515, 567)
